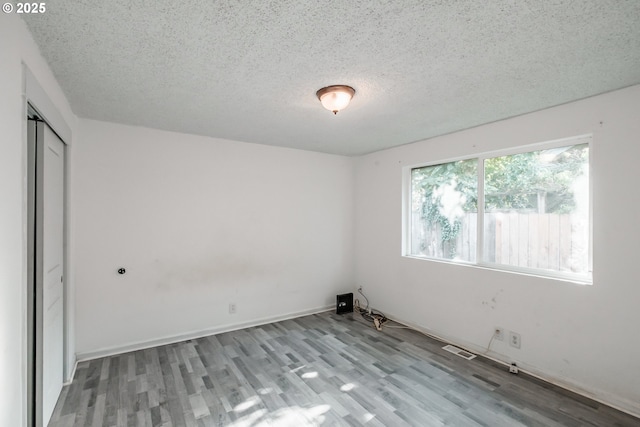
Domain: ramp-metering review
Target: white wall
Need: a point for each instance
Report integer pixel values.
(16, 46)
(199, 223)
(585, 337)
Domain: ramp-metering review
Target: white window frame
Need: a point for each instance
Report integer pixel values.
(480, 263)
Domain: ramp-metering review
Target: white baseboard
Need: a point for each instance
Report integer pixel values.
(615, 402)
(73, 373)
(141, 345)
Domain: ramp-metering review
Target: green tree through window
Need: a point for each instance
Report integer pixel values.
(443, 194)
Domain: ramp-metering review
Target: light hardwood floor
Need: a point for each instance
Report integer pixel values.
(319, 370)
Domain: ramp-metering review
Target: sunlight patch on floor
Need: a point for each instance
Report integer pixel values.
(293, 416)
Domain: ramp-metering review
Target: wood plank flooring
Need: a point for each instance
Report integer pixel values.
(319, 370)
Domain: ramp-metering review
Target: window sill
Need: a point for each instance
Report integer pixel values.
(568, 277)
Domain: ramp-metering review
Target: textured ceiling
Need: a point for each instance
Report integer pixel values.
(249, 70)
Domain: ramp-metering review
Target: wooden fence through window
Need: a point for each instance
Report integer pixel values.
(557, 242)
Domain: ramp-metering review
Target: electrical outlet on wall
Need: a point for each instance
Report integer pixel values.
(232, 308)
(514, 339)
(498, 333)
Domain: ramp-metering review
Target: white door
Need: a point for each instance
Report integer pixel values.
(51, 150)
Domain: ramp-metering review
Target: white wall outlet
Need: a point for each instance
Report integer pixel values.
(514, 339)
(498, 333)
(232, 308)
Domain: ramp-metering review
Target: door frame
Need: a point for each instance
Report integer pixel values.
(37, 103)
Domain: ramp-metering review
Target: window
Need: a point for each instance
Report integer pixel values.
(534, 211)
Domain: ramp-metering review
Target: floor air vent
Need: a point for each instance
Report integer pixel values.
(460, 352)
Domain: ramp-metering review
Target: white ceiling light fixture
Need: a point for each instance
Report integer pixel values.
(335, 98)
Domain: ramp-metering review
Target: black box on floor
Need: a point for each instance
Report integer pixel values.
(344, 303)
